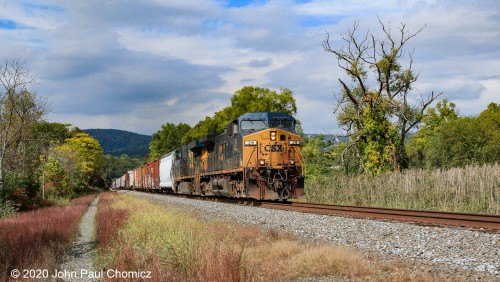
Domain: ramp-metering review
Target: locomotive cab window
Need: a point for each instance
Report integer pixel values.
(235, 126)
(253, 125)
(232, 128)
(285, 123)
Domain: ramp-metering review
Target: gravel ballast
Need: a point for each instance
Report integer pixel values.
(448, 252)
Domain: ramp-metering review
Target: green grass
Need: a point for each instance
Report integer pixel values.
(473, 189)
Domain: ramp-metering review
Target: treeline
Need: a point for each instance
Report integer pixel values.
(117, 166)
(444, 140)
(171, 136)
(39, 160)
(248, 99)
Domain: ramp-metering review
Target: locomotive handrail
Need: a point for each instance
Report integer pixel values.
(250, 157)
(301, 160)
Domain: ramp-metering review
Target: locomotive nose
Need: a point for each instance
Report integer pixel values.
(278, 150)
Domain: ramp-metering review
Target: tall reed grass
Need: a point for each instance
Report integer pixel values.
(37, 239)
(177, 246)
(471, 189)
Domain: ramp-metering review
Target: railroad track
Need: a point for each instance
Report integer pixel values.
(483, 222)
(487, 222)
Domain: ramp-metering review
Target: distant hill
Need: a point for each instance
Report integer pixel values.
(336, 139)
(120, 142)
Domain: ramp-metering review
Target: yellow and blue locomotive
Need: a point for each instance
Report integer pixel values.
(258, 156)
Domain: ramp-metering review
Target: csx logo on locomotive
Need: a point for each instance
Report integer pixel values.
(273, 148)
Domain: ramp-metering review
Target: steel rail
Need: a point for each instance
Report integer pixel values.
(489, 222)
(482, 222)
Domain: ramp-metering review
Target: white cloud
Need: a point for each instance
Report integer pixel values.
(136, 65)
(490, 94)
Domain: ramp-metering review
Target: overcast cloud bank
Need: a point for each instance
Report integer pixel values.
(135, 65)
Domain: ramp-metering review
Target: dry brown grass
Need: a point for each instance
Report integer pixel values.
(180, 247)
(471, 189)
(108, 220)
(37, 239)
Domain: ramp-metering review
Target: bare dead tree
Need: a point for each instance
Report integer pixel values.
(19, 109)
(378, 82)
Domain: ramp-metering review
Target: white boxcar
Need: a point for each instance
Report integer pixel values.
(166, 175)
(122, 181)
(130, 179)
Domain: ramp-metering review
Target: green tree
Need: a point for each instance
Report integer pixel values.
(377, 99)
(490, 120)
(318, 157)
(458, 143)
(205, 127)
(435, 120)
(248, 99)
(115, 167)
(256, 99)
(446, 140)
(52, 132)
(167, 139)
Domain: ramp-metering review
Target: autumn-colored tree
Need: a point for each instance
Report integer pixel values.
(62, 176)
(20, 110)
(73, 166)
(91, 154)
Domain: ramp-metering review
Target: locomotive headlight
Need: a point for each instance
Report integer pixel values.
(294, 142)
(291, 161)
(262, 162)
(251, 143)
(273, 135)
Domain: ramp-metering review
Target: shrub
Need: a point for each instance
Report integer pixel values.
(7, 208)
(37, 239)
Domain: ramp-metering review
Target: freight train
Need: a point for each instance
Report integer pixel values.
(258, 156)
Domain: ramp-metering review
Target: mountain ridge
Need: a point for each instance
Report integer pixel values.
(118, 142)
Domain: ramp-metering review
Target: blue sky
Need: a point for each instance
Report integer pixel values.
(135, 65)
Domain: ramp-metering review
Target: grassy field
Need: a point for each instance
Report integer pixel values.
(178, 246)
(37, 239)
(473, 189)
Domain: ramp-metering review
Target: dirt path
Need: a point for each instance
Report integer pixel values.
(79, 264)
